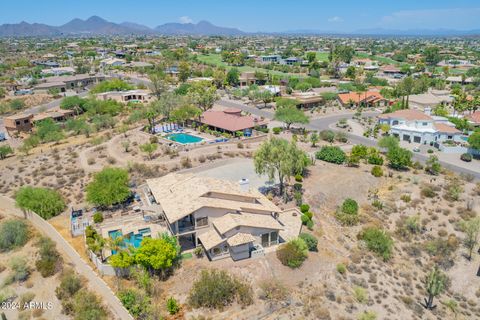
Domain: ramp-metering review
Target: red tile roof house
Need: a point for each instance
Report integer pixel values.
(474, 118)
(418, 127)
(367, 98)
(231, 120)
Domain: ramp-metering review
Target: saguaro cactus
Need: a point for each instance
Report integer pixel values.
(434, 285)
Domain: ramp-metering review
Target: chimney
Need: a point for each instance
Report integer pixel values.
(244, 184)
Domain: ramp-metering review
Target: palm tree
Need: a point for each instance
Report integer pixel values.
(434, 285)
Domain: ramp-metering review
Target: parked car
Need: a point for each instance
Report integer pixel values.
(416, 149)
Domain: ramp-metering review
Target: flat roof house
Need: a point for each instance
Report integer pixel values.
(247, 78)
(228, 219)
(19, 122)
(231, 121)
(126, 96)
(306, 100)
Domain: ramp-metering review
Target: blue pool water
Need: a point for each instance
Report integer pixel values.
(130, 239)
(184, 138)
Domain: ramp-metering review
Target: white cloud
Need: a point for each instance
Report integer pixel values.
(335, 19)
(185, 19)
(432, 18)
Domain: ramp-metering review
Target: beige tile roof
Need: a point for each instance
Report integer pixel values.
(182, 194)
(210, 239)
(233, 220)
(240, 238)
(407, 114)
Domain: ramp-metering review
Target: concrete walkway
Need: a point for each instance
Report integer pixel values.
(7, 207)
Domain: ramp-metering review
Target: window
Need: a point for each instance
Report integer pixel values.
(201, 222)
(17, 122)
(25, 121)
(424, 123)
(265, 240)
(449, 137)
(274, 237)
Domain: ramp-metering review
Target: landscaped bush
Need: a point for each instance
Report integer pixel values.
(304, 208)
(293, 253)
(136, 302)
(378, 241)
(341, 268)
(467, 157)
(172, 306)
(217, 289)
(20, 270)
(13, 234)
(331, 154)
(375, 159)
(327, 135)
(310, 240)
(98, 217)
(276, 130)
(377, 171)
(298, 178)
(347, 214)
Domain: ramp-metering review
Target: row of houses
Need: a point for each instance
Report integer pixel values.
(25, 122)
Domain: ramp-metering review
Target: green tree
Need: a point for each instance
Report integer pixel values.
(87, 306)
(388, 142)
(399, 158)
(290, 114)
(474, 140)
(48, 131)
(279, 158)
(378, 241)
(149, 148)
(45, 202)
(432, 55)
(158, 83)
(13, 234)
(109, 186)
(136, 302)
(233, 77)
(203, 94)
(266, 97)
(112, 85)
(293, 253)
(183, 71)
(122, 259)
(434, 286)
(5, 150)
(74, 103)
(157, 255)
(184, 113)
(471, 228)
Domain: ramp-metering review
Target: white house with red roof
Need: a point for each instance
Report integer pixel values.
(419, 127)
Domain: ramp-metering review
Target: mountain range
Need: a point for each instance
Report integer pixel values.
(98, 26)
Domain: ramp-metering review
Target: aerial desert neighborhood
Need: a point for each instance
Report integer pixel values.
(208, 160)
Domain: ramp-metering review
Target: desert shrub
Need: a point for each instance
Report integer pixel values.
(172, 306)
(360, 294)
(20, 270)
(327, 135)
(136, 302)
(442, 250)
(467, 157)
(428, 191)
(26, 298)
(70, 284)
(273, 289)
(276, 130)
(341, 268)
(331, 154)
(406, 198)
(453, 191)
(310, 240)
(293, 253)
(86, 305)
(298, 178)
(217, 289)
(377, 171)
(347, 214)
(13, 234)
(98, 217)
(49, 261)
(378, 241)
(367, 315)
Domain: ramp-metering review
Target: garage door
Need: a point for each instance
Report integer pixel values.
(417, 139)
(406, 137)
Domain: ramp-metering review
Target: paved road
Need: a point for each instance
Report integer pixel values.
(325, 123)
(7, 206)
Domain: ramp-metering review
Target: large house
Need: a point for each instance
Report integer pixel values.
(474, 118)
(126, 96)
(419, 127)
(231, 121)
(228, 219)
(64, 83)
(367, 98)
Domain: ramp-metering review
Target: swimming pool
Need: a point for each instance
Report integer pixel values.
(130, 239)
(184, 138)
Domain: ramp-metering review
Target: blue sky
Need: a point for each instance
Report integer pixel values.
(258, 15)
